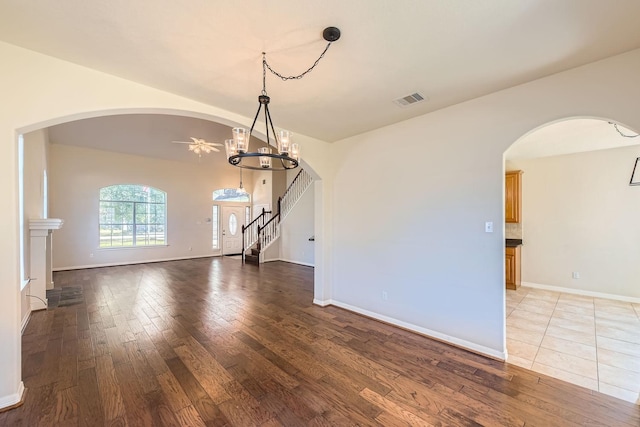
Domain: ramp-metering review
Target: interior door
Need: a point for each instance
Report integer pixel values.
(232, 222)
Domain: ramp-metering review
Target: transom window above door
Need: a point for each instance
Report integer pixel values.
(231, 195)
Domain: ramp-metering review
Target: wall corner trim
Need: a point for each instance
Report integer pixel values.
(25, 322)
(13, 400)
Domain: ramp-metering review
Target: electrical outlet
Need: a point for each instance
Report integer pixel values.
(385, 296)
(90, 255)
(488, 227)
(575, 274)
(190, 248)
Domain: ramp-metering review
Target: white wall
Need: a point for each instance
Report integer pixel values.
(296, 229)
(262, 190)
(410, 202)
(581, 215)
(76, 176)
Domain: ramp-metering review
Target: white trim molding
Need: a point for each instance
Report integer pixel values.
(25, 322)
(13, 399)
(114, 264)
(306, 264)
(581, 292)
(322, 303)
(457, 342)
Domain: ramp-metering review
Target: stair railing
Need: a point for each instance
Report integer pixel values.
(294, 192)
(269, 232)
(265, 229)
(250, 232)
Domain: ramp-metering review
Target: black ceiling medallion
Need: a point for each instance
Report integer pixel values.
(288, 153)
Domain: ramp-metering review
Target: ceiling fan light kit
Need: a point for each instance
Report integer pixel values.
(288, 152)
(199, 146)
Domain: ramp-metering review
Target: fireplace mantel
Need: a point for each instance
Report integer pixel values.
(41, 259)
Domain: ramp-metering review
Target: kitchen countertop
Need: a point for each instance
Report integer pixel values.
(512, 243)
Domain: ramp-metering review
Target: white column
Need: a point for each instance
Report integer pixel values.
(40, 272)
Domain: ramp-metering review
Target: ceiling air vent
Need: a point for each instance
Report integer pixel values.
(410, 99)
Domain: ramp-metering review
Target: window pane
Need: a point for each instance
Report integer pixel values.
(106, 235)
(132, 215)
(214, 225)
(233, 224)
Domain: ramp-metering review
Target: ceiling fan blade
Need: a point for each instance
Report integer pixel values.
(182, 142)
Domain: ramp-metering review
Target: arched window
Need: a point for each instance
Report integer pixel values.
(132, 215)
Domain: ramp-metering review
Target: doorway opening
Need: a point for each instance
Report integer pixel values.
(576, 316)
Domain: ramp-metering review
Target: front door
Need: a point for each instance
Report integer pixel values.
(232, 222)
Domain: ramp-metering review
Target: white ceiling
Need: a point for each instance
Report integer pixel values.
(148, 135)
(210, 50)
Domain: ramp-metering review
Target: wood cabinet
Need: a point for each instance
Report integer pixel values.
(513, 196)
(512, 267)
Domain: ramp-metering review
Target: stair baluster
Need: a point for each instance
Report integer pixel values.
(265, 229)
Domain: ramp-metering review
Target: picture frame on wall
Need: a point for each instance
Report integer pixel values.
(635, 175)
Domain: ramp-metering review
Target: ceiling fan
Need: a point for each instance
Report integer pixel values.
(199, 146)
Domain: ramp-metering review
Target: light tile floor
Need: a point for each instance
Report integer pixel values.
(592, 342)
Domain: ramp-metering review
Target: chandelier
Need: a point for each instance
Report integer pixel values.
(288, 152)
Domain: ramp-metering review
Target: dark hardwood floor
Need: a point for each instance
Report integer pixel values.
(212, 342)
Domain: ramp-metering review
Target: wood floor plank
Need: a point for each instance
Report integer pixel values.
(145, 375)
(160, 412)
(90, 410)
(189, 417)
(67, 401)
(137, 411)
(405, 416)
(213, 342)
(260, 366)
(201, 401)
(205, 374)
(109, 389)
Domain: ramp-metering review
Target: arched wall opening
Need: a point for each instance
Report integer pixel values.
(141, 112)
(579, 299)
(42, 91)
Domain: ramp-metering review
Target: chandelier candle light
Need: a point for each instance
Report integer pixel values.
(288, 155)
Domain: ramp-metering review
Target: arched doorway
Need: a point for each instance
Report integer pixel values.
(127, 137)
(576, 317)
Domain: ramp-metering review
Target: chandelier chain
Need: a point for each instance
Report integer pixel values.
(615, 125)
(265, 66)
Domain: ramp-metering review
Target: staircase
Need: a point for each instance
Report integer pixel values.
(263, 231)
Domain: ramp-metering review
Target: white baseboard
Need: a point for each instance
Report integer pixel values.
(37, 304)
(12, 399)
(581, 292)
(25, 322)
(467, 345)
(115, 264)
(306, 264)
